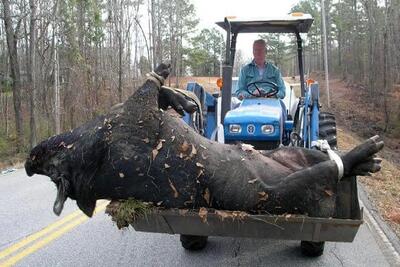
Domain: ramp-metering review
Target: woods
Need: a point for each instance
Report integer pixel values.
(362, 37)
(62, 62)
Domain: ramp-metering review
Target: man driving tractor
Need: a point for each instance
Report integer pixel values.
(260, 78)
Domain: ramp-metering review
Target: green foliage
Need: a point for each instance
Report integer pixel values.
(80, 22)
(8, 149)
(204, 54)
(6, 85)
(96, 33)
(199, 62)
(4, 146)
(178, 20)
(313, 8)
(396, 124)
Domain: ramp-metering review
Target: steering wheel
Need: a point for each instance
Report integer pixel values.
(261, 93)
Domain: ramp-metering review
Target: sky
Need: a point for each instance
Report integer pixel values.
(211, 11)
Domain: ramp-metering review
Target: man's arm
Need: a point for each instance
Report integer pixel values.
(241, 89)
(281, 85)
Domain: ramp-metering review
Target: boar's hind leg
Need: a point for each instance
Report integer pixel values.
(309, 191)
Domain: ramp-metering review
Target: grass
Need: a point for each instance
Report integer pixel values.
(125, 212)
(383, 187)
(8, 147)
(8, 155)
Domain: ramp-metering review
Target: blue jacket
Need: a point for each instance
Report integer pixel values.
(249, 73)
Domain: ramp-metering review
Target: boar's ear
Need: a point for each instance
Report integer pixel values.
(84, 194)
(84, 181)
(87, 206)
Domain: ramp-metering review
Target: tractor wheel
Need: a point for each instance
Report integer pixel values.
(327, 128)
(193, 242)
(312, 249)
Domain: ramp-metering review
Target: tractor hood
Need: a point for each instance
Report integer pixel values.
(256, 110)
(250, 118)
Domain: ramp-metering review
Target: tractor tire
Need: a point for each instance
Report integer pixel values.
(312, 249)
(193, 242)
(327, 129)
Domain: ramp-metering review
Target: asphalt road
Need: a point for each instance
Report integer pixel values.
(31, 235)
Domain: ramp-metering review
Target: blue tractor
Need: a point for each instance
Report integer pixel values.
(264, 122)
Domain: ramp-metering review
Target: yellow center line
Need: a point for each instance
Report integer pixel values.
(77, 218)
(39, 234)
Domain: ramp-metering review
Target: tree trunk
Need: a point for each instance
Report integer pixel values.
(153, 34)
(32, 73)
(56, 87)
(386, 67)
(370, 6)
(120, 51)
(6, 114)
(356, 56)
(160, 43)
(15, 72)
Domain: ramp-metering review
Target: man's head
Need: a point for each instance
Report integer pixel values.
(259, 51)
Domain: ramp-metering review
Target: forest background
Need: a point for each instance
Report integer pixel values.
(62, 62)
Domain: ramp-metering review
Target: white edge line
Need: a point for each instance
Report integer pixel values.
(389, 247)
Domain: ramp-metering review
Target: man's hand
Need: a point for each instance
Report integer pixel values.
(256, 92)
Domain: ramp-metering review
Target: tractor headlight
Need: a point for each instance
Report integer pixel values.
(267, 129)
(235, 128)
